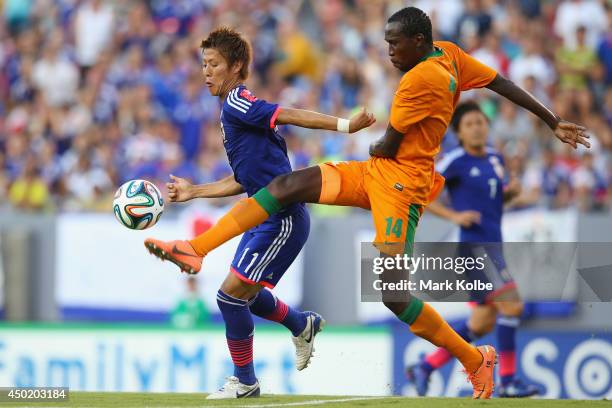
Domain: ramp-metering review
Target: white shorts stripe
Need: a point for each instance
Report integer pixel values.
(278, 248)
(270, 248)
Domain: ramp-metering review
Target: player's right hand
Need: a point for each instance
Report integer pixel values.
(179, 189)
(361, 120)
(467, 218)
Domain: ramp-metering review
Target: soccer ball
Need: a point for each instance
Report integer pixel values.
(138, 204)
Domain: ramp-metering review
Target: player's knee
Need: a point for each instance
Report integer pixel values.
(483, 326)
(396, 307)
(483, 320)
(237, 288)
(512, 309)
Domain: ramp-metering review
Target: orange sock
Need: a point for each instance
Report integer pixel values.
(425, 322)
(243, 216)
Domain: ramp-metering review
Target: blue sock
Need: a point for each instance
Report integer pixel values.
(506, 345)
(239, 330)
(427, 367)
(269, 307)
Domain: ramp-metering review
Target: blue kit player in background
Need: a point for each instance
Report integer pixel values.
(257, 154)
(475, 178)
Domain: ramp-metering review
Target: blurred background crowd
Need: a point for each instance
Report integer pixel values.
(96, 92)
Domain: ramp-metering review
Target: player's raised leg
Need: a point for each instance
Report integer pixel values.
(330, 183)
(299, 186)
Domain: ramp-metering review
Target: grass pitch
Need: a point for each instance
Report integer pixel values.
(128, 400)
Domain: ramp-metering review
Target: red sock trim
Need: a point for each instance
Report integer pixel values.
(241, 351)
(507, 363)
(438, 358)
(279, 314)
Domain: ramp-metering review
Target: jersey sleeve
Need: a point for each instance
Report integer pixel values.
(447, 167)
(245, 109)
(411, 104)
(473, 73)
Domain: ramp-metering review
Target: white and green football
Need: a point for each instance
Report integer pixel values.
(138, 204)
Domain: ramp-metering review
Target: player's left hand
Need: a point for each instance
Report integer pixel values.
(361, 120)
(179, 189)
(513, 188)
(572, 134)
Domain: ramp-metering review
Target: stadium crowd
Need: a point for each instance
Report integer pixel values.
(96, 92)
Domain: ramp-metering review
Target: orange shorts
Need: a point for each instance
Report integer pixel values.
(395, 217)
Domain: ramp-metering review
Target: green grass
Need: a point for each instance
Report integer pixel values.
(128, 400)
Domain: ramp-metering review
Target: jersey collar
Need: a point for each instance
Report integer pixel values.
(437, 52)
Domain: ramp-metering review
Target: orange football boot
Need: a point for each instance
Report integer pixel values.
(181, 253)
(483, 379)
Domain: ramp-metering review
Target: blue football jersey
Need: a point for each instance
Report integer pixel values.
(476, 183)
(255, 150)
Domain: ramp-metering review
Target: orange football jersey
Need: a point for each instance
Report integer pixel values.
(422, 108)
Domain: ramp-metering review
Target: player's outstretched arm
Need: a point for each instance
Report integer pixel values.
(565, 131)
(461, 218)
(314, 120)
(179, 189)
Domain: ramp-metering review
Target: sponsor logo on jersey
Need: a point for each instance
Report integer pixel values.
(246, 94)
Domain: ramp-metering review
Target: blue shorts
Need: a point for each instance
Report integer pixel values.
(268, 250)
(495, 270)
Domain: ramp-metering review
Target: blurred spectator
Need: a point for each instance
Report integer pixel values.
(444, 14)
(546, 183)
(86, 184)
(55, 76)
(590, 185)
(511, 126)
(299, 55)
(190, 115)
(190, 311)
(607, 109)
(29, 191)
(575, 66)
(492, 54)
(572, 14)
(475, 22)
(531, 63)
(604, 49)
(17, 14)
(92, 31)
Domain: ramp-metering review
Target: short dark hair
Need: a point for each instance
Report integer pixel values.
(232, 46)
(413, 21)
(461, 110)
